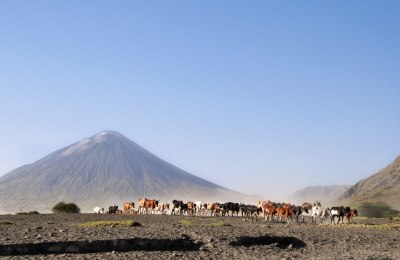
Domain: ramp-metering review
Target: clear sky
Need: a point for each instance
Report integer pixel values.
(264, 97)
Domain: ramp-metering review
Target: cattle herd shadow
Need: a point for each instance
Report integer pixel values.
(143, 244)
(99, 246)
(279, 241)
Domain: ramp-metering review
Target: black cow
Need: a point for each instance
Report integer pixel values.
(234, 208)
(300, 211)
(113, 209)
(178, 205)
(229, 207)
(250, 211)
(339, 212)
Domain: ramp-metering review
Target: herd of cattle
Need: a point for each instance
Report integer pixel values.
(269, 210)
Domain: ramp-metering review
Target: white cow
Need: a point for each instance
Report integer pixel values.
(161, 208)
(200, 208)
(316, 212)
(326, 213)
(98, 210)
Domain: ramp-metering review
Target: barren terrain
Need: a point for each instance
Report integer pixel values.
(169, 237)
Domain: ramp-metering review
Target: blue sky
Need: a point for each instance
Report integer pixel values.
(262, 97)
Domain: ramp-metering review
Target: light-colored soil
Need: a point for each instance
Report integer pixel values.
(220, 238)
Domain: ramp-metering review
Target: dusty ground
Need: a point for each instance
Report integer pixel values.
(367, 239)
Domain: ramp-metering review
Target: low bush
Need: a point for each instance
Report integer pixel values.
(63, 207)
(377, 210)
(27, 213)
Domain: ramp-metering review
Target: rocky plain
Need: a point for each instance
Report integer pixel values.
(60, 236)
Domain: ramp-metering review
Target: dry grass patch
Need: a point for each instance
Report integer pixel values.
(6, 223)
(186, 222)
(220, 224)
(108, 223)
(379, 226)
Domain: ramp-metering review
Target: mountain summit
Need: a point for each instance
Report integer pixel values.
(102, 170)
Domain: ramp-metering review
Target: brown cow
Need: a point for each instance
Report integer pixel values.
(349, 216)
(212, 207)
(307, 205)
(141, 205)
(129, 207)
(150, 205)
(190, 208)
(286, 212)
(269, 211)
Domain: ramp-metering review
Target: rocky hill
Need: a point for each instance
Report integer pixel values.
(102, 170)
(383, 186)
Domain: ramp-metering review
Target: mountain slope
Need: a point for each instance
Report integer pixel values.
(328, 195)
(383, 186)
(104, 169)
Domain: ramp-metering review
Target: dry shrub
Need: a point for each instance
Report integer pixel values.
(377, 210)
(63, 207)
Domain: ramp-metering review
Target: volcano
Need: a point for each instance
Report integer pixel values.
(102, 170)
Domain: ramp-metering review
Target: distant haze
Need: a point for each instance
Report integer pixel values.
(327, 195)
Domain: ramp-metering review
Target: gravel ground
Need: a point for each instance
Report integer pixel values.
(219, 238)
